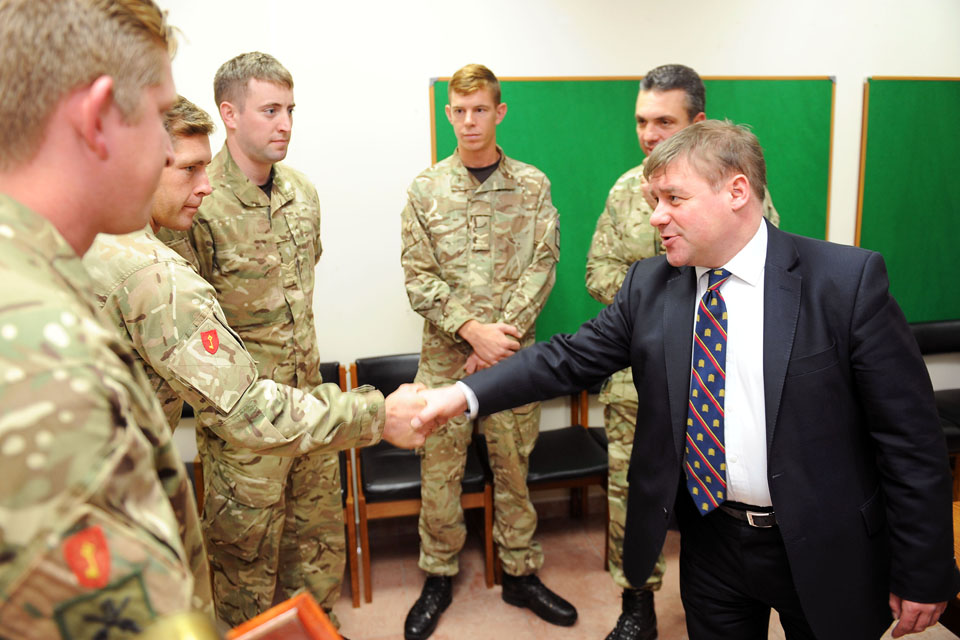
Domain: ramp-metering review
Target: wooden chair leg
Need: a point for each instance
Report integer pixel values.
(365, 552)
(956, 477)
(576, 502)
(352, 553)
(488, 534)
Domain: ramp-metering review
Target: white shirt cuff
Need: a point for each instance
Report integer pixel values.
(473, 405)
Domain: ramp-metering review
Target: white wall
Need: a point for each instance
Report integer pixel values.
(362, 121)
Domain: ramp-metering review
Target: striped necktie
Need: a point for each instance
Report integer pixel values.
(705, 462)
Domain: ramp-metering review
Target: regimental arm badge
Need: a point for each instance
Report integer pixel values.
(211, 341)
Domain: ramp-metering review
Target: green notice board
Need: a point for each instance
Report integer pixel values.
(581, 132)
(910, 190)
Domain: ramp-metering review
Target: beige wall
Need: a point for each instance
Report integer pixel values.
(362, 120)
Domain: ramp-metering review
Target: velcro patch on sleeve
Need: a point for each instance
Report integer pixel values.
(214, 363)
(118, 611)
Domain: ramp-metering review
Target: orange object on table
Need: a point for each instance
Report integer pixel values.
(299, 618)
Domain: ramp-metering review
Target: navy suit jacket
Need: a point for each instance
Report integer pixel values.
(857, 463)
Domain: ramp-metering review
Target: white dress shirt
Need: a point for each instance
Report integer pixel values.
(744, 424)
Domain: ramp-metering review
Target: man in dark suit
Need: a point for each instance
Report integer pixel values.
(788, 418)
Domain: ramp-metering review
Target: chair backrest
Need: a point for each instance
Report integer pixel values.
(386, 373)
(937, 337)
(330, 372)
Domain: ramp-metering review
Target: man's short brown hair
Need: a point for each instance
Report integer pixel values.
(716, 150)
(233, 76)
(48, 48)
(474, 77)
(186, 119)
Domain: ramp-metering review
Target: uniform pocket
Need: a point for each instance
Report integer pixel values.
(237, 513)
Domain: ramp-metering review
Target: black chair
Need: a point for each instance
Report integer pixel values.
(388, 478)
(936, 338)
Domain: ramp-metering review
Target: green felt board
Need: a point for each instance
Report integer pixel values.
(582, 134)
(911, 192)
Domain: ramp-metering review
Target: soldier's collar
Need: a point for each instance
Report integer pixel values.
(249, 194)
(41, 237)
(501, 179)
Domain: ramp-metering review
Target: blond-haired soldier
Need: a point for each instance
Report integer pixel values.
(97, 538)
(154, 297)
(671, 98)
(480, 243)
(257, 241)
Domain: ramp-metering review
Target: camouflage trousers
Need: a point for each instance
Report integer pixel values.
(620, 421)
(510, 437)
(273, 527)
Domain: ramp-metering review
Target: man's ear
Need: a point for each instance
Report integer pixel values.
(739, 189)
(447, 110)
(95, 102)
(501, 111)
(228, 113)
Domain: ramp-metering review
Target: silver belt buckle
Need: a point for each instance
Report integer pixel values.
(753, 514)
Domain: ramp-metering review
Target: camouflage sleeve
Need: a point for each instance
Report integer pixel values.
(769, 211)
(86, 528)
(203, 248)
(317, 244)
(534, 285)
(429, 294)
(188, 343)
(606, 262)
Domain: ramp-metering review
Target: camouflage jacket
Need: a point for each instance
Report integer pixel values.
(97, 522)
(171, 315)
(259, 254)
(473, 251)
(622, 237)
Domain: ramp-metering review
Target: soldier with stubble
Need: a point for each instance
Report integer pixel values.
(257, 242)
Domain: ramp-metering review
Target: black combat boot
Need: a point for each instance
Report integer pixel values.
(638, 620)
(529, 592)
(425, 613)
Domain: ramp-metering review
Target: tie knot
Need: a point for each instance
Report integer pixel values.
(717, 278)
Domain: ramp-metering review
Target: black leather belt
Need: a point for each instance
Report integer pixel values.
(759, 517)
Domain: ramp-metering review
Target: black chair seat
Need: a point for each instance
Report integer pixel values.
(390, 473)
(565, 454)
(561, 455)
(600, 435)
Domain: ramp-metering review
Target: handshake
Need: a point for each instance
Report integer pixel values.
(413, 412)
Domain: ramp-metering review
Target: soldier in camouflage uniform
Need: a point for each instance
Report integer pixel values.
(257, 241)
(671, 98)
(99, 533)
(171, 315)
(480, 243)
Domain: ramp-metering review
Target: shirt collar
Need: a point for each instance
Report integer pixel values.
(748, 264)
